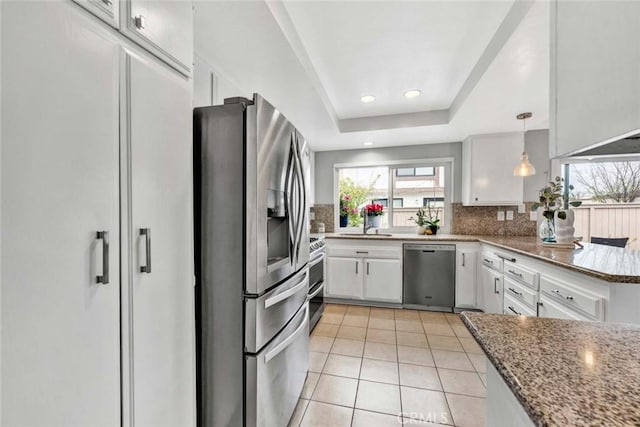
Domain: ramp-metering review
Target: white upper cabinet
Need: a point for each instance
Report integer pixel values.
(595, 73)
(165, 28)
(60, 165)
(107, 10)
(487, 171)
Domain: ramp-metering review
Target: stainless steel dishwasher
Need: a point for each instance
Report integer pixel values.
(429, 276)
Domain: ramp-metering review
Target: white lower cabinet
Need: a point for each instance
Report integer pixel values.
(550, 308)
(344, 277)
(381, 280)
(491, 290)
(466, 273)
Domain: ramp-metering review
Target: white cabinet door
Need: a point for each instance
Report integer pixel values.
(488, 170)
(491, 290)
(466, 279)
(549, 308)
(165, 28)
(383, 280)
(595, 72)
(161, 307)
(60, 328)
(344, 277)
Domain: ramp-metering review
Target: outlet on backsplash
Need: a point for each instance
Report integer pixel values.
(509, 215)
(500, 215)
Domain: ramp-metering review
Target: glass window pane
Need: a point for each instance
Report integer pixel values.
(416, 191)
(405, 172)
(359, 187)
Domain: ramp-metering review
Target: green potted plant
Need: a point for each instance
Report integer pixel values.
(432, 221)
(420, 220)
(555, 204)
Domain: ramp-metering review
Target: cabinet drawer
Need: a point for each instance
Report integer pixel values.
(491, 261)
(521, 274)
(364, 252)
(549, 308)
(572, 297)
(520, 292)
(516, 308)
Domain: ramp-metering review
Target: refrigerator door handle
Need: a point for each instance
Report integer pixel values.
(289, 178)
(302, 199)
(286, 294)
(290, 339)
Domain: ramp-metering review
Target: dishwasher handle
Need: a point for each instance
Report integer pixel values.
(430, 248)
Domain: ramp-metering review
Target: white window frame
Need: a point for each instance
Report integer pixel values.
(449, 167)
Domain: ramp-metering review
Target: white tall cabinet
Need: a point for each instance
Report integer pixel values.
(96, 137)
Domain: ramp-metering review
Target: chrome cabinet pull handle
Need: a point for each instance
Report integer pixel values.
(140, 22)
(367, 268)
(495, 285)
(362, 252)
(146, 232)
(463, 254)
(104, 236)
(515, 273)
(357, 267)
(515, 292)
(538, 305)
(504, 257)
(488, 261)
(557, 292)
(512, 309)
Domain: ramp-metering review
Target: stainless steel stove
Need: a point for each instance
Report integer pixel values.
(316, 280)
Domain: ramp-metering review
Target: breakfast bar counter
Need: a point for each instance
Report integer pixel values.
(561, 372)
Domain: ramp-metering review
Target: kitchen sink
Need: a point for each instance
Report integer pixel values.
(366, 235)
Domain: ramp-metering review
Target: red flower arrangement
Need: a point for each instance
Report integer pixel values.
(374, 209)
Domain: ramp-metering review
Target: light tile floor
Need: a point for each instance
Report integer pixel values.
(373, 367)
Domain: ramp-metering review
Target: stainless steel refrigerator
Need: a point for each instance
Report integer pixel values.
(251, 175)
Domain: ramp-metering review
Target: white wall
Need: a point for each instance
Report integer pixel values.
(325, 160)
(536, 145)
(210, 87)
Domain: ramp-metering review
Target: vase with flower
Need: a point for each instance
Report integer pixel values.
(346, 209)
(374, 212)
(557, 221)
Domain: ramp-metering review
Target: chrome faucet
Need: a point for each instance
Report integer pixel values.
(365, 226)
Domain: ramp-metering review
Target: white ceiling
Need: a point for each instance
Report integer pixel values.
(314, 60)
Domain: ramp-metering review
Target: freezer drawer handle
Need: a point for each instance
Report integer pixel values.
(104, 279)
(287, 342)
(286, 294)
(316, 292)
(512, 309)
(146, 232)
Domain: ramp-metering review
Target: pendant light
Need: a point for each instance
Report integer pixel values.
(525, 168)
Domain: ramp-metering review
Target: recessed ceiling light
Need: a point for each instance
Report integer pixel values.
(412, 93)
(367, 98)
(367, 143)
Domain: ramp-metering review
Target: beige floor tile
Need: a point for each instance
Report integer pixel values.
(325, 329)
(432, 317)
(462, 382)
(323, 415)
(419, 377)
(402, 314)
(316, 361)
(378, 397)
(380, 335)
(454, 318)
(359, 320)
(332, 318)
(373, 419)
(411, 422)
(298, 413)
(335, 308)
(344, 366)
(352, 332)
(387, 324)
(412, 339)
(415, 355)
(479, 362)
(467, 411)
(310, 385)
(444, 343)
(380, 371)
(452, 360)
(320, 343)
(461, 331)
(358, 310)
(471, 346)
(381, 351)
(336, 390)
(347, 347)
(381, 313)
(409, 326)
(438, 329)
(425, 405)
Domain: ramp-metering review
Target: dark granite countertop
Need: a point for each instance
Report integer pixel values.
(565, 372)
(615, 265)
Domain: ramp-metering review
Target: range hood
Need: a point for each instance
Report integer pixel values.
(622, 145)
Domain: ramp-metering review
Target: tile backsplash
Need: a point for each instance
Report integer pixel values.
(478, 220)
